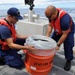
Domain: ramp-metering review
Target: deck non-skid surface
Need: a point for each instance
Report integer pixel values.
(57, 69)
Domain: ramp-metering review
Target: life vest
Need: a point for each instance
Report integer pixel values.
(13, 34)
(56, 23)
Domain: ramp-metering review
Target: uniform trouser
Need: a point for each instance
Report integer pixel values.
(68, 44)
(12, 58)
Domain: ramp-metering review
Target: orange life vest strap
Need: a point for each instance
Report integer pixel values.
(0, 42)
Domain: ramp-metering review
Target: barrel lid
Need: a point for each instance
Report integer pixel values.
(41, 42)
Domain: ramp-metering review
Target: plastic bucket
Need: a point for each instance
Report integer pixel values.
(45, 52)
(38, 72)
(38, 65)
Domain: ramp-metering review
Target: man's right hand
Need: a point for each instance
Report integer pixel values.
(30, 48)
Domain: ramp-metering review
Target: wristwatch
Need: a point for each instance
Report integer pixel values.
(58, 45)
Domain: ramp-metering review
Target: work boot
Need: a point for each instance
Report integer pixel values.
(2, 61)
(67, 65)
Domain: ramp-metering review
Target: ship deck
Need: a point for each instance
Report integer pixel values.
(57, 68)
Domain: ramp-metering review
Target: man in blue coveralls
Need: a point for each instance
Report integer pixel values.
(63, 26)
(11, 41)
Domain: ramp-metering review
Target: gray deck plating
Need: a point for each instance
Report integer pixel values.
(59, 62)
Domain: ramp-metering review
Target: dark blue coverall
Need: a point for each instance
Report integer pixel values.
(69, 42)
(11, 57)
